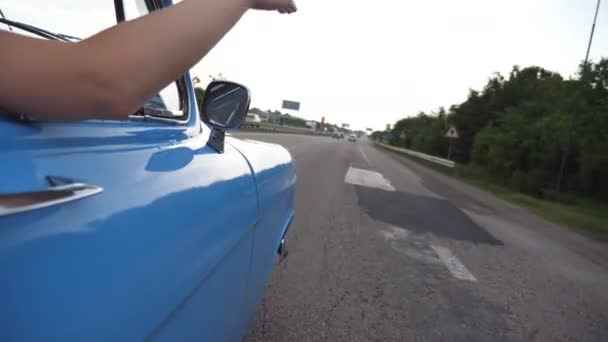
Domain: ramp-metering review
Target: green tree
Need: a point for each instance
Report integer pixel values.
(517, 128)
(200, 94)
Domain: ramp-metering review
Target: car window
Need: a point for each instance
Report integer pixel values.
(134, 8)
(168, 99)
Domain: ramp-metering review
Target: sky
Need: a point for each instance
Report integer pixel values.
(371, 63)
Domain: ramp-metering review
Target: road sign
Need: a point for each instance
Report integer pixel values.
(293, 105)
(452, 133)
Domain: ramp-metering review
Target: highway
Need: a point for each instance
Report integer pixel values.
(383, 249)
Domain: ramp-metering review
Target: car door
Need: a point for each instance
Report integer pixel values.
(146, 232)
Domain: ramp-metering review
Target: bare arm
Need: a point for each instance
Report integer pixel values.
(111, 74)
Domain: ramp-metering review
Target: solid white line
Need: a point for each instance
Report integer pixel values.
(367, 178)
(364, 156)
(456, 267)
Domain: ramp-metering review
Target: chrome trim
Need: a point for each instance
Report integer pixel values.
(283, 252)
(57, 193)
(146, 117)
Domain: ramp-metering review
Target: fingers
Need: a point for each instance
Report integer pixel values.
(281, 6)
(292, 6)
(289, 8)
(286, 10)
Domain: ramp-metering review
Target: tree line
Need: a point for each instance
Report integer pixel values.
(518, 128)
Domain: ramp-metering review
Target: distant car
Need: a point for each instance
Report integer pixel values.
(352, 138)
(337, 135)
(159, 227)
(253, 120)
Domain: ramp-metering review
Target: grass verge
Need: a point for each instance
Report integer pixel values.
(581, 214)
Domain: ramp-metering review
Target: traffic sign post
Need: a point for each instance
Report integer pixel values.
(452, 134)
(450, 149)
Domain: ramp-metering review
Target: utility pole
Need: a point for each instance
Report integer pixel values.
(562, 166)
(597, 10)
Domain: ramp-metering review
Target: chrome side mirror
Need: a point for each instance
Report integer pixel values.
(224, 108)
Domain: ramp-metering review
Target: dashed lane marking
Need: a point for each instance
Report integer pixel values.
(456, 267)
(370, 179)
(364, 156)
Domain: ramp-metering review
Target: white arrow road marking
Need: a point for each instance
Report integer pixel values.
(416, 246)
(395, 233)
(367, 178)
(456, 267)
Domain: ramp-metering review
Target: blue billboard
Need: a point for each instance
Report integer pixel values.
(293, 105)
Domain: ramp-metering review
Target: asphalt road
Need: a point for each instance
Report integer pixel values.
(383, 249)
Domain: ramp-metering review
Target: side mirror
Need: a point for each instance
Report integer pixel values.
(224, 108)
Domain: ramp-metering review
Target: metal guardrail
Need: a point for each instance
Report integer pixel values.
(432, 159)
(268, 127)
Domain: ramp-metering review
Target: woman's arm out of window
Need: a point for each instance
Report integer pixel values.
(111, 74)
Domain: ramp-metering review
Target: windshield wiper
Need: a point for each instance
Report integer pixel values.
(38, 31)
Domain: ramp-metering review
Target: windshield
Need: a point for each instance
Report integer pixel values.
(72, 17)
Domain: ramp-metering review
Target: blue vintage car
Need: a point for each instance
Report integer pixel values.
(161, 227)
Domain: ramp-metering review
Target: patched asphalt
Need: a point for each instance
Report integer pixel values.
(422, 214)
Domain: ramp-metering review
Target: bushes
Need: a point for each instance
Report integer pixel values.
(516, 129)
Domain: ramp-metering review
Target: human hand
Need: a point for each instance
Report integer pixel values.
(282, 6)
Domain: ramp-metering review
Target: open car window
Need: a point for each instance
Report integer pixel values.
(72, 20)
(169, 101)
